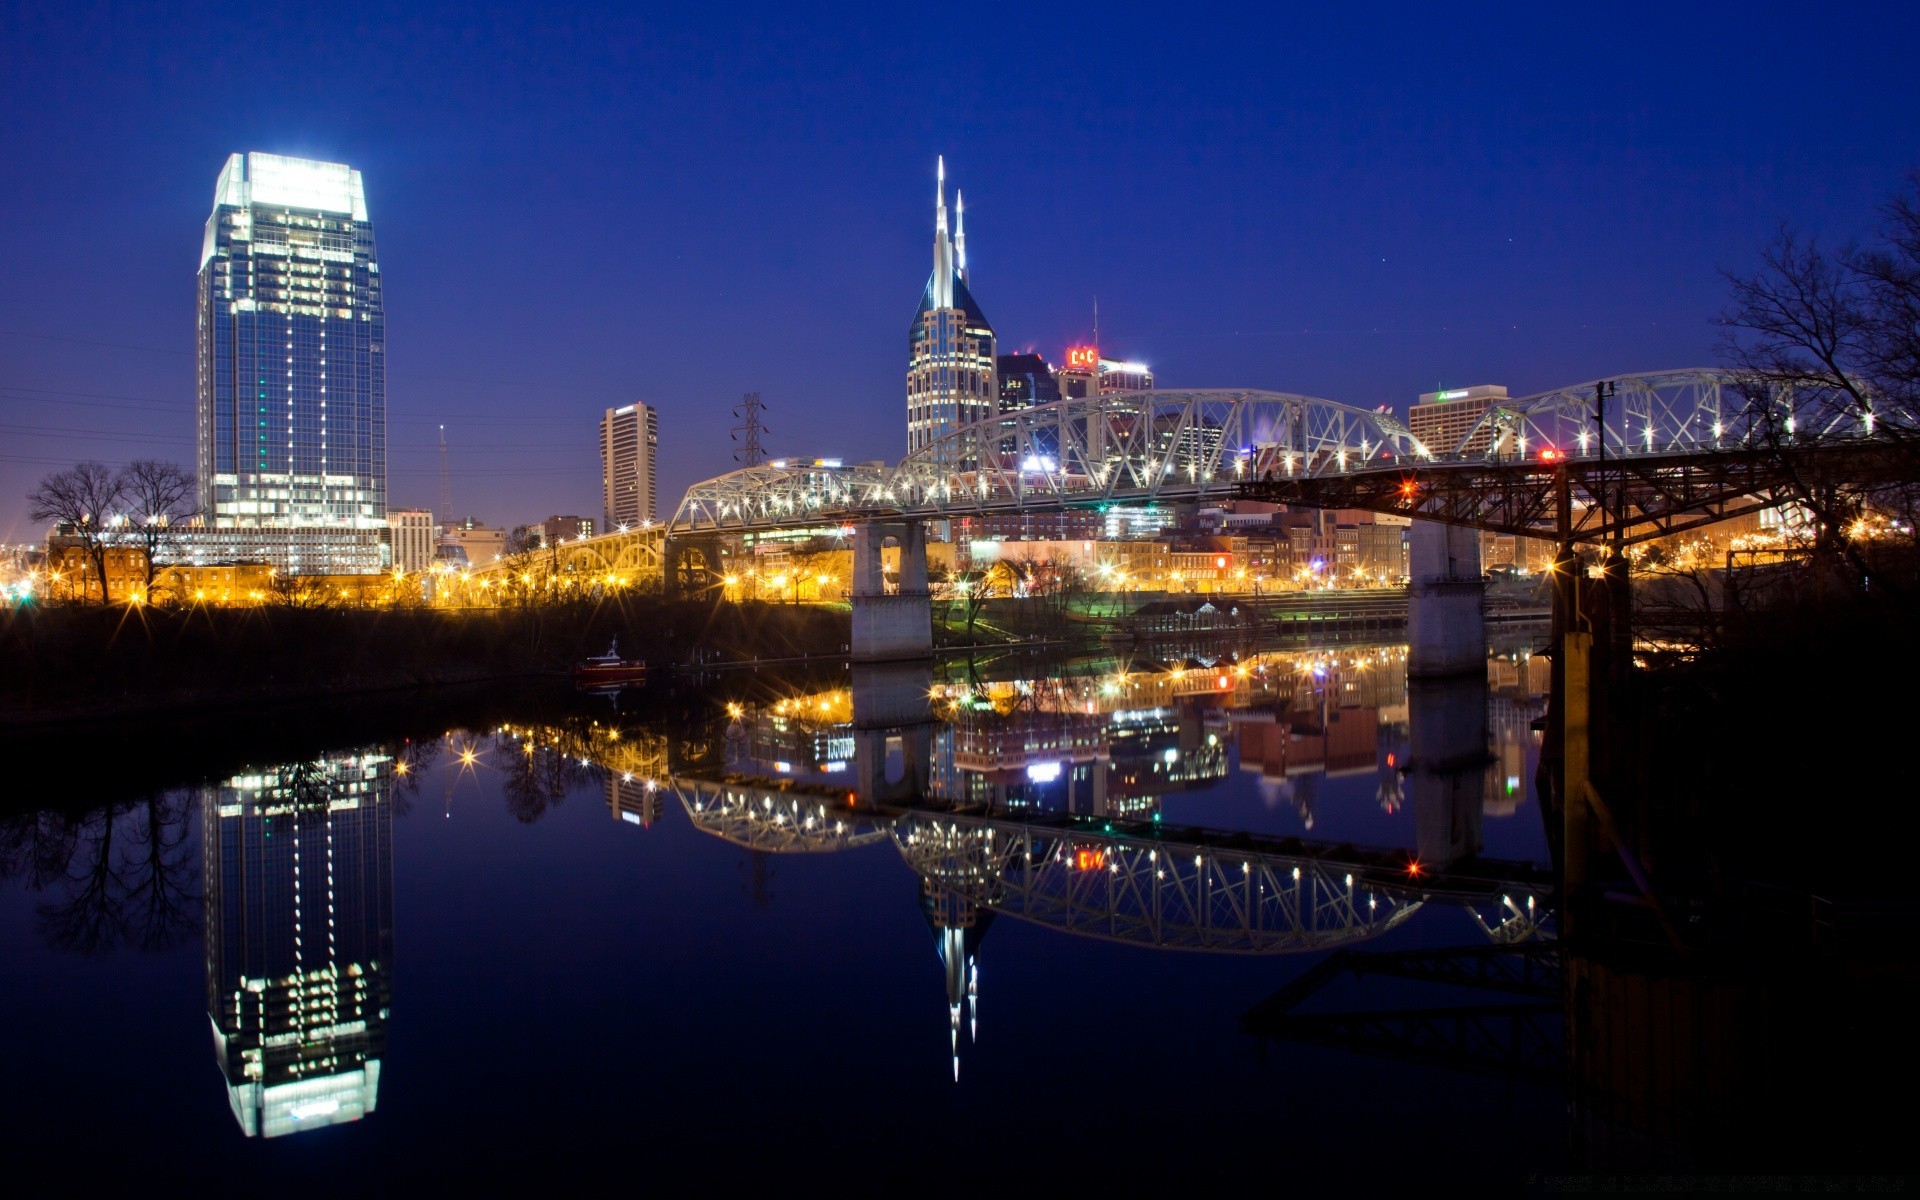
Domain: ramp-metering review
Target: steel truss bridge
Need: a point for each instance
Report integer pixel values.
(1675, 449)
(1135, 882)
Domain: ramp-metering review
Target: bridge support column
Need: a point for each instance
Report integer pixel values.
(1447, 765)
(1446, 624)
(898, 626)
(890, 705)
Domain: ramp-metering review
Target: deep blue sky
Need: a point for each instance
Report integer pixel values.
(575, 211)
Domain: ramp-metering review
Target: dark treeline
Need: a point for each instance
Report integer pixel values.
(75, 661)
(1781, 752)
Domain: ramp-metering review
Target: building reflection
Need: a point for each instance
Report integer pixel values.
(1042, 798)
(299, 927)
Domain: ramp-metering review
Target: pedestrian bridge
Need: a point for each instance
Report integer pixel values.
(1184, 446)
(1130, 881)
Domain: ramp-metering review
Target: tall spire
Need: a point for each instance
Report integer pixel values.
(942, 248)
(960, 236)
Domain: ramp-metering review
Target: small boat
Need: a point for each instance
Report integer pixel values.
(609, 669)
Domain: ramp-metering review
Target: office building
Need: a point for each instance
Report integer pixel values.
(950, 349)
(629, 452)
(1086, 373)
(557, 529)
(411, 532)
(1025, 380)
(1117, 375)
(298, 865)
(1442, 420)
(291, 420)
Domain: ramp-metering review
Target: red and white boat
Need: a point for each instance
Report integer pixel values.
(609, 669)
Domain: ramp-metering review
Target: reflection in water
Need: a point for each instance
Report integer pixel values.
(1043, 799)
(119, 875)
(299, 900)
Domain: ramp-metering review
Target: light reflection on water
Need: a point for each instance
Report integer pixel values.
(1237, 807)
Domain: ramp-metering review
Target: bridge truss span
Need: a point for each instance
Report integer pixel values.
(1127, 447)
(1667, 450)
(1693, 411)
(774, 821)
(1145, 892)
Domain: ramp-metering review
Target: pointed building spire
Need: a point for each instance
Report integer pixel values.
(942, 248)
(960, 236)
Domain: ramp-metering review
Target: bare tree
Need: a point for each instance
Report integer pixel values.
(85, 499)
(1822, 335)
(160, 497)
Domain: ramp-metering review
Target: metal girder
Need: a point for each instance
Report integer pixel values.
(1190, 890)
(1663, 493)
(1508, 1041)
(1680, 439)
(1127, 447)
(1518, 1041)
(1169, 895)
(773, 821)
(1693, 410)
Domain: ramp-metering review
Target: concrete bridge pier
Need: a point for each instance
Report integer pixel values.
(892, 732)
(896, 626)
(1446, 623)
(1448, 762)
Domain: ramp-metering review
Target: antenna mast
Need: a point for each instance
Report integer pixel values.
(747, 433)
(446, 483)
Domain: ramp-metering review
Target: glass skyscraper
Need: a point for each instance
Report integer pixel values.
(299, 921)
(292, 412)
(950, 348)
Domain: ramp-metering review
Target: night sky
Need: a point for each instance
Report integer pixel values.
(576, 211)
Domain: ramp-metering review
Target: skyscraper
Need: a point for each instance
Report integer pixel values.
(1024, 380)
(291, 430)
(950, 349)
(629, 449)
(299, 919)
(1440, 420)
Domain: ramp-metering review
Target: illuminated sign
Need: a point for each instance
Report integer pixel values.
(1083, 358)
(1088, 859)
(1456, 394)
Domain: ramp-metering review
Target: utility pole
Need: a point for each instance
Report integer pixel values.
(750, 453)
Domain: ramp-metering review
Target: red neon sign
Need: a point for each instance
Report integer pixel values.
(1083, 358)
(1085, 859)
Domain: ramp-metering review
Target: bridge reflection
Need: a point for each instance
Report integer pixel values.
(1043, 799)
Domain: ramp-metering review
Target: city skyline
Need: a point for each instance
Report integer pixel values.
(1576, 234)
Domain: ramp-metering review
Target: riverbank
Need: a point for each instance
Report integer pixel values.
(78, 663)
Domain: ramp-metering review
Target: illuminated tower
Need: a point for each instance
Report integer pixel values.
(629, 454)
(291, 429)
(951, 381)
(299, 920)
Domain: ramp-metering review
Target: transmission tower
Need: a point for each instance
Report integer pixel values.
(750, 453)
(446, 483)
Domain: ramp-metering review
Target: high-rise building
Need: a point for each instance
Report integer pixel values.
(291, 431)
(299, 919)
(1441, 420)
(1117, 375)
(629, 450)
(1025, 380)
(950, 349)
(1086, 373)
(411, 532)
